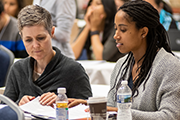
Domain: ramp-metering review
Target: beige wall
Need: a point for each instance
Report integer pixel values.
(175, 3)
(28, 2)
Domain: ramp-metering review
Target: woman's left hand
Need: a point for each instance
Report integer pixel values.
(48, 99)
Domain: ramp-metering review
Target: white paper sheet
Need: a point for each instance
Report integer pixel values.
(78, 112)
(38, 110)
(35, 108)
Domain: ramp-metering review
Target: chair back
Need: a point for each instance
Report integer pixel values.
(6, 60)
(174, 38)
(14, 106)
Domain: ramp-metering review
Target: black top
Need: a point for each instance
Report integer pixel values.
(60, 72)
(110, 51)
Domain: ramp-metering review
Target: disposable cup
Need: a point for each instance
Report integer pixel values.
(97, 106)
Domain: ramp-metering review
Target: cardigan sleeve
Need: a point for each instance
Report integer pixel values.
(79, 87)
(11, 90)
(168, 108)
(166, 96)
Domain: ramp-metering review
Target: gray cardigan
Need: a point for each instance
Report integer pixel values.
(161, 98)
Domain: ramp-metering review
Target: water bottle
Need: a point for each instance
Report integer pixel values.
(124, 102)
(61, 105)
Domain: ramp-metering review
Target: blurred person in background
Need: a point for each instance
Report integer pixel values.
(9, 34)
(119, 3)
(63, 13)
(165, 13)
(12, 7)
(95, 41)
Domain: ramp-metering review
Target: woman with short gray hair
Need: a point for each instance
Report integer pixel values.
(46, 69)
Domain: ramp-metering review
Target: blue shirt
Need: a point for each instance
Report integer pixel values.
(130, 82)
(165, 19)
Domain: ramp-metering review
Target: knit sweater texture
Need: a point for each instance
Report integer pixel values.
(160, 98)
(61, 71)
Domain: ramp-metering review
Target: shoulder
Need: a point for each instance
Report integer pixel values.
(13, 22)
(72, 64)
(21, 63)
(67, 63)
(165, 67)
(166, 60)
(118, 66)
(12, 27)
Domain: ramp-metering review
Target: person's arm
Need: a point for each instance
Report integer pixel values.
(79, 87)
(97, 47)
(97, 22)
(20, 50)
(167, 102)
(112, 108)
(65, 16)
(78, 44)
(11, 89)
(73, 102)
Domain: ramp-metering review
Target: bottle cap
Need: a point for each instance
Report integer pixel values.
(124, 82)
(61, 90)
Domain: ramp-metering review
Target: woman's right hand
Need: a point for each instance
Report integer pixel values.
(25, 99)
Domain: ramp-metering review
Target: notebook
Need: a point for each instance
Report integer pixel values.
(174, 38)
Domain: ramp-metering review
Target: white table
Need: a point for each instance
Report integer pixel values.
(99, 72)
(100, 90)
(177, 53)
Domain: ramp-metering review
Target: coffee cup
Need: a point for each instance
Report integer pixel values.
(97, 107)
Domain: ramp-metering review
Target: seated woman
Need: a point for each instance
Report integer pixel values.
(150, 67)
(165, 13)
(46, 68)
(95, 41)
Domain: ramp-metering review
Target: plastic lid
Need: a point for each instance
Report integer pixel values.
(124, 82)
(96, 100)
(61, 90)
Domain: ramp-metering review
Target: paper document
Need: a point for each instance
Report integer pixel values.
(36, 109)
(78, 112)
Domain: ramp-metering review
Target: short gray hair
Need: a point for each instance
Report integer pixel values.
(34, 15)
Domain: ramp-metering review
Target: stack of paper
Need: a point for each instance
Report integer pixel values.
(36, 109)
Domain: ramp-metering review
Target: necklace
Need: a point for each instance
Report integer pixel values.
(35, 68)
